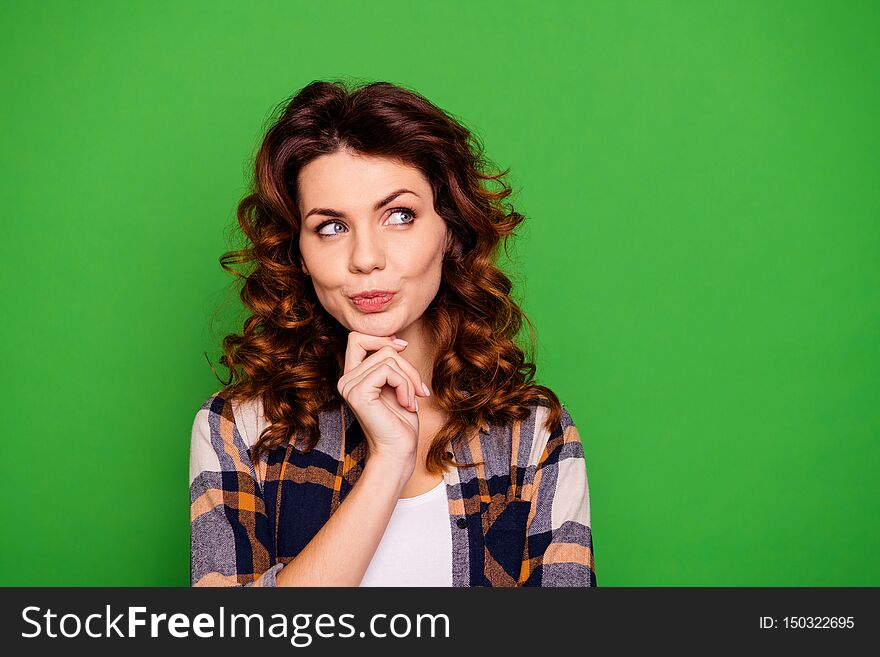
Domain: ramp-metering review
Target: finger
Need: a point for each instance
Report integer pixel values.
(389, 351)
(369, 384)
(409, 368)
(364, 363)
(361, 343)
(378, 376)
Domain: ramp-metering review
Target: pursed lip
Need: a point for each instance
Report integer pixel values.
(368, 294)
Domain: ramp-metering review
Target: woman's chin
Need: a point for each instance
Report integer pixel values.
(378, 324)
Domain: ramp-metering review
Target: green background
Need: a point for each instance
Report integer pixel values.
(700, 260)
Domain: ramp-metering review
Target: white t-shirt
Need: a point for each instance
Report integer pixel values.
(416, 548)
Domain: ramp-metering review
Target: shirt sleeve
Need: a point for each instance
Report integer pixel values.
(559, 542)
(230, 535)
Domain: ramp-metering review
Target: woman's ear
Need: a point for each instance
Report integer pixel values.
(302, 264)
(453, 246)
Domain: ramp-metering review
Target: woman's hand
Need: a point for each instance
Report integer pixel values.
(382, 391)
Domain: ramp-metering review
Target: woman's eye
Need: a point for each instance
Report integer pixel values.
(405, 211)
(321, 228)
(410, 214)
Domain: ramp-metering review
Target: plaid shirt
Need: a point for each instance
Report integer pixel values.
(521, 518)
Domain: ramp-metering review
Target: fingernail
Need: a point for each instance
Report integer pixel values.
(400, 342)
(417, 403)
(425, 388)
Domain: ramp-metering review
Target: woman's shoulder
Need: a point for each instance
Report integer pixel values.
(223, 431)
(544, 435)
(246, 416)
(540, 408)
(542, 401)
(522, 442)
(238, 423)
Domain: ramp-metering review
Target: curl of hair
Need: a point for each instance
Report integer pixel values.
(291, 351)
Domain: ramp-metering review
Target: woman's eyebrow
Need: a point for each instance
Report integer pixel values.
(379, 205)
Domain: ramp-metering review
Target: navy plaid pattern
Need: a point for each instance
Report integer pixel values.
(521, 517)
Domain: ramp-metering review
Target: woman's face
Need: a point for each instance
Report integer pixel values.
(360, 232)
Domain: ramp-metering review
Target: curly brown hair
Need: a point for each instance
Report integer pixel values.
(291, 350)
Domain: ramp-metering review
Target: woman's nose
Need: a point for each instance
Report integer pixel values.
(368, 251)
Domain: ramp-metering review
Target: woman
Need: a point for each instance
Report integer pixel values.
(383, 427)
